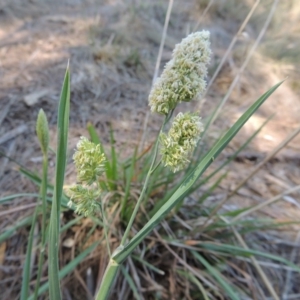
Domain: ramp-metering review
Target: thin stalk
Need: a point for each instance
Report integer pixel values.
(157, 65)
(210, 3)
(137, 206)
(26, 271)
(105, 229)
(154, 169)
(26, 268)
(44, 216)
(243, 67)
(228, 51)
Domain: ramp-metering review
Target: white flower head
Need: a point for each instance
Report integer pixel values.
(84, 199)
(89, 161)
(181, 140)
(184, 75)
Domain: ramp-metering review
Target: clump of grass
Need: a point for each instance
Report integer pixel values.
(150, 229)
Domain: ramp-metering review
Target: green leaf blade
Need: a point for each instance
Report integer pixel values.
(61, 155)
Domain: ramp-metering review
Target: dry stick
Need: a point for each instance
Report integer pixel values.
(90, 283)
(290, 297)
(6, 212)
(5, 110)
(158, 61)
(12, 133)
(241, 70)
(204, 13)
(162, 43)
(266, 203)
(135, 277)
(224, 58)
(289, 272)
(269, 264)
(254, 261)
(6, 160)
(256, 169)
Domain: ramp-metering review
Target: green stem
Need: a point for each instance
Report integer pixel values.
(137, 206)
(26, 267)
(26, 272)
(108, 280)
(44, 216)
(105, 229)
(154, 169)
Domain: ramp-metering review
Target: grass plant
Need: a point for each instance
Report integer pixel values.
(141, 203)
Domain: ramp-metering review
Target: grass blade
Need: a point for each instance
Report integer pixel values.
(195, 281)
(62, 137)
(14, 196)
(130, 174)
(114, 162)
(217, 275)
(50, 188)
(26, 269)
(10, 231)
(239, 251)
(131, 283)
(94, 136)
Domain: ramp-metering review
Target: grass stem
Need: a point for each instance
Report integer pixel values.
(151, 170)
(44, 216)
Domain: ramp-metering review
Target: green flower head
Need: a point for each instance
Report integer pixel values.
(183, 78)
(84, 199)
(89, 161)
(181, 140)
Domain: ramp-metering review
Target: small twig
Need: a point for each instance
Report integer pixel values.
(266, 203)
(162, 43)
(12, 133)
(225, 56)
(210, 3)
(5, 160)
(4, 110)
(90, 283)
(135, 277)
(244, 65)
(158, 61)
(10, 211)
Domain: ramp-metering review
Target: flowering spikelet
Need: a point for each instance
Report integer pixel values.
(89, 161)
(180, 141)
(84, 199)
(183, 76)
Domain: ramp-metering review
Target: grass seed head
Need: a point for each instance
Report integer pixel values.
(85, 199)
(89, 161)
(181, 140)
(42, 131)
(184, 75)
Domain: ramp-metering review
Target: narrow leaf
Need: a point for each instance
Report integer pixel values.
(61, 154)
